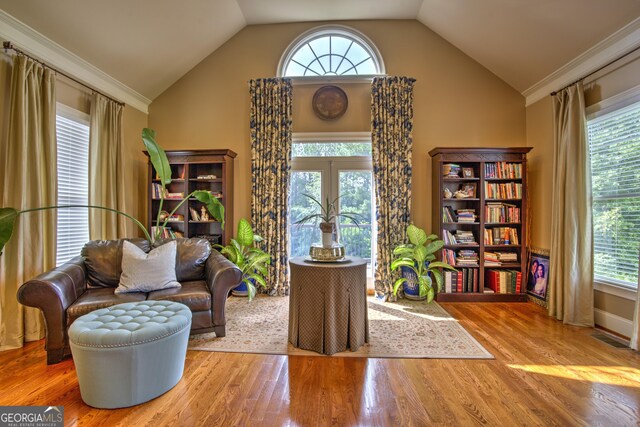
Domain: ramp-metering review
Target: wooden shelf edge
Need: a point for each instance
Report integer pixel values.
(480, 297)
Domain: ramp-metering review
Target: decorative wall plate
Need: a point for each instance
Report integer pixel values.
(329, 102)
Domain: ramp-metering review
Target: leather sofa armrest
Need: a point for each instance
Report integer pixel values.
(53, 292)
(222, 276)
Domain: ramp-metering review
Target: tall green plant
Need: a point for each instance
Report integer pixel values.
(160, 162)
(419, 255)
(252, 261)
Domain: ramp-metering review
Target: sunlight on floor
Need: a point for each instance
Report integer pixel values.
(613, 375)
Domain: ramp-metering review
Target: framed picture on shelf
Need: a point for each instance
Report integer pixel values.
(538, 276)
(469, 189)
(467, 173)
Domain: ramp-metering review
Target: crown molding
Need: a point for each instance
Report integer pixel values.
(36, 44)
(619, 43)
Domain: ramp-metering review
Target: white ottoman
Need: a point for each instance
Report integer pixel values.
(130, 353)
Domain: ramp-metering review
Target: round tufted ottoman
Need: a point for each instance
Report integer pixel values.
(130, 353)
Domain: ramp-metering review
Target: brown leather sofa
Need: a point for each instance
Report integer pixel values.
(87, 283)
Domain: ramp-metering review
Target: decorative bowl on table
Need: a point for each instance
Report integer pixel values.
(335, 252)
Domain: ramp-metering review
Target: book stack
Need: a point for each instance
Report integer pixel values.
(179, 195)
(451, 170)
(507, 256)
(467, 257)
(466, 215)
(175, 218)
(491, 259)
(464, 237)
(504, 281)
(507, 190)
(501, 212)
(465, 280)
(503, 170)
(501, 236)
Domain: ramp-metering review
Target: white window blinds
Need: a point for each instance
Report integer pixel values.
(614, 141)
(73, 185)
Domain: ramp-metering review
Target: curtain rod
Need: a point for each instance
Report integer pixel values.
(9, 45)
(595, 71)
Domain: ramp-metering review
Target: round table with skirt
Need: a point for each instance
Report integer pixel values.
(328, 305)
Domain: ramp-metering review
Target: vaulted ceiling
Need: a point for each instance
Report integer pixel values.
(149, 44)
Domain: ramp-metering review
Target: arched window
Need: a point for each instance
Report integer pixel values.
(331, 51)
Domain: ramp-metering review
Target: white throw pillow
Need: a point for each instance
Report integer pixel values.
(142, 272)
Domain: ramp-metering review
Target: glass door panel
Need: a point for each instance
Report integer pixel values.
(302, 237)
(355, 190)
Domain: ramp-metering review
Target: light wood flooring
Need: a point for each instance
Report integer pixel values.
(544, 374)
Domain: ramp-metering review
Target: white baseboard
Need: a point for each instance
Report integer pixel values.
(613, 322)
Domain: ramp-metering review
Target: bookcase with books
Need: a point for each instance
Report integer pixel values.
(480, 211)
(210, 170)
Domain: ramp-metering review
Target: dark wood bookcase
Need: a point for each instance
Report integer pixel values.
(188, 172)
(481, 161)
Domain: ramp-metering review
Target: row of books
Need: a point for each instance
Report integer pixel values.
(464, 257)
(503, 170)
(507, 190)
(495, 259)
(460, 215)
(157, 192)
(463, 280)
(166, 232)
(462, 237)
(501, 236)
(501, 212)
(503, 281)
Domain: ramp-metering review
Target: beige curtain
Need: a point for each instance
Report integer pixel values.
(270, 128)
(107, 178)
(635, 335)
(28, 180)
(571, 262)
(391, 138)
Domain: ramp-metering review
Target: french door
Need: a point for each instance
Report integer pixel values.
(350, 179)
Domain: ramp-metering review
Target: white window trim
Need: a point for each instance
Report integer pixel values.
(323, 30)
(72, 114)
(617, 290)
(606, 106)
(331, 137)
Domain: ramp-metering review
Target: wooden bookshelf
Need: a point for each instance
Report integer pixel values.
(186, 167)
(482, 161)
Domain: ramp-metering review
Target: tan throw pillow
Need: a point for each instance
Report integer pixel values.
(142, 272)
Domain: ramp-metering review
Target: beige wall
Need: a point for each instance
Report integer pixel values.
(540, 136)
(457, 101)
(78, 97)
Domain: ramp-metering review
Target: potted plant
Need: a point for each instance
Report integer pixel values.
(327, 216)
(8, 215)
(417, 257)
(252, 261)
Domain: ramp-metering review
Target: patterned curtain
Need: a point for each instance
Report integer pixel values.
(391, 127)
(270, 124)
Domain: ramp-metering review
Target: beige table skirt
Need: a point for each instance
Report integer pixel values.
(328, 305)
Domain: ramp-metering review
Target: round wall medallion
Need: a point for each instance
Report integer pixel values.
(329, 102)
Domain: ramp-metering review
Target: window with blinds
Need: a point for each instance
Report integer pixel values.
(614, 141)
(72, 133)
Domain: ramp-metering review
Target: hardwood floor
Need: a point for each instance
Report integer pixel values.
(544, 373)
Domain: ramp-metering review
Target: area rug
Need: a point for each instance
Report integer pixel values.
(403, 329)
